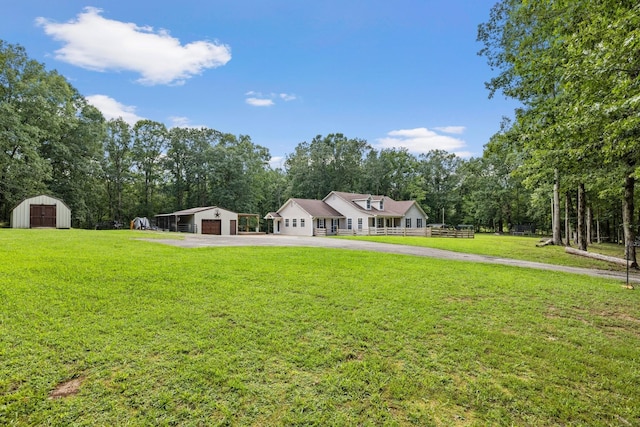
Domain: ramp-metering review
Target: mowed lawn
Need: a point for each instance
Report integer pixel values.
(508, 246)
(146, 334)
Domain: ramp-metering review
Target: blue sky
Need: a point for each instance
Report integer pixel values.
(402, 73)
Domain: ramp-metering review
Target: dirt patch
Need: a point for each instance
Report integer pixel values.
(67, 388)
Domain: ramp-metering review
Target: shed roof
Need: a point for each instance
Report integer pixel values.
(192, 211)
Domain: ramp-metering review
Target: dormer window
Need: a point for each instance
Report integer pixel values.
(381, 204)
(368, 204)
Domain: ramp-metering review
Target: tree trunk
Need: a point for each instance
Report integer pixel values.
(557, 227)
(567, 227)
(582, 230)
(589, 223)
(627, 219)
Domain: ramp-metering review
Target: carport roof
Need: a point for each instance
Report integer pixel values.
(191, 211)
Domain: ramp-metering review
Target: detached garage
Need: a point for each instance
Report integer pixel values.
(203, 220)
(41, 212)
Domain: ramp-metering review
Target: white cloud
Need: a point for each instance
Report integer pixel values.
(457, 130)
(112, 109)
(183, 122)
(259, 102)
(96, 43)
(287, 97)
(276, 162)
(421, 140)
(258, 99)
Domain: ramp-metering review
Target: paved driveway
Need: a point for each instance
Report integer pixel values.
(199, 240)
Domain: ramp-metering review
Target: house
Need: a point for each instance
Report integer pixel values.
(41, 212)
(347, 213)
(202, 220)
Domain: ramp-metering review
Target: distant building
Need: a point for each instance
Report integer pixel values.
(202, 220)
(41, 212)
(347, 213)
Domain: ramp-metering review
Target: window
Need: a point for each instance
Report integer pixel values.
(359, 223)
(320, 222)
(419, 223)
(349, 224)
(295, 224)
(286, 222)
(380, 222)
(368, 204)
(301, 222)
(407, 223)
(381, 205)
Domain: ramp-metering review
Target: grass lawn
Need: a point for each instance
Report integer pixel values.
(507, 246)
(158, 335)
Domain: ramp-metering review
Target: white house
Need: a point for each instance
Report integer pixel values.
(202, 220)
(346, 213)
(41, 211)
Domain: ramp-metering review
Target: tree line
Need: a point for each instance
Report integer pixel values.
(565, 164)
(575, 68)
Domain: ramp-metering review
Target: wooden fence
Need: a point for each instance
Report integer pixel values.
(466, 233)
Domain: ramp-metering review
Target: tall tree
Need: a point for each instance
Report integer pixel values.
(33, 105)
(149, 142)
(117, 165)
(439, 172)
(333, 162)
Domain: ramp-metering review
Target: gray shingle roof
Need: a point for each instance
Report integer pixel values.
(317, 208)
(390, 206)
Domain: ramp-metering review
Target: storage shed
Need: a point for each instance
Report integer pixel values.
(41, 212)
(202, 220)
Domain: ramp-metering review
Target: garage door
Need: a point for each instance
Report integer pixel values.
(43, 216)
(212, 226)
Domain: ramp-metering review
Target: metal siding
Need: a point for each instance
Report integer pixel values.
(20, 216)
(225, 216)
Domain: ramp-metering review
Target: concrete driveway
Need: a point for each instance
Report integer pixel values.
(199, 240)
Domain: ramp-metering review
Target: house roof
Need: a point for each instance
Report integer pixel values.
(390, 207)
(272, 215)
(315, 208)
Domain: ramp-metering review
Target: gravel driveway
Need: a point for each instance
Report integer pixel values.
(199, 240)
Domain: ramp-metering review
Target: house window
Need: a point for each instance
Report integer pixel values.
(320, 222)
(407, 223)
(349, 224)
(368, 204)
(295, 223)
(359, 223)
(286, 222)
(381, 204)
(380, 222)
(419, 223)
(301, 222)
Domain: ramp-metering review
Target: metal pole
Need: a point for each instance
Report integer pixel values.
(627, 266)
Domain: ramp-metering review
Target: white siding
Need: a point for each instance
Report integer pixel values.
(21, 215)
(224, 216)
(348, 211)
(293, 211)
(414, 213)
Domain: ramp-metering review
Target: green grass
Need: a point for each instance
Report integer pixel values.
(506, 246)
(161, 335)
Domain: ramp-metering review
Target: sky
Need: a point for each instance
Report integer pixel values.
(398, 74)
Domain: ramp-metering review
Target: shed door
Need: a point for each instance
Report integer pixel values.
(42, 216)
(234, 226)
(212, 226)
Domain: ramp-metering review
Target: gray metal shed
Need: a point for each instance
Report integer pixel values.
(41, 212)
